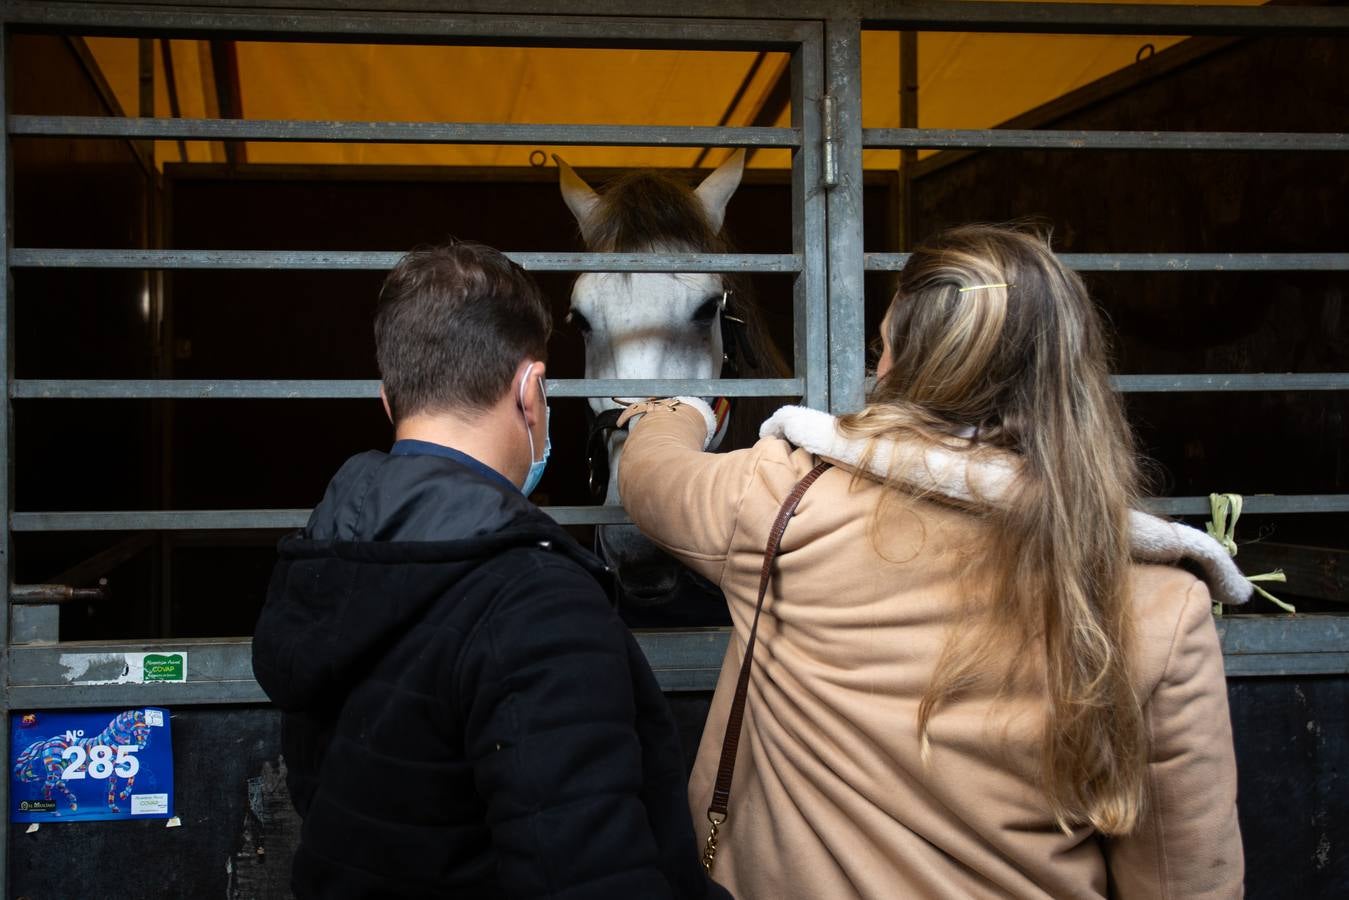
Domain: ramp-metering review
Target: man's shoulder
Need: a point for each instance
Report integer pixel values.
(540, 564)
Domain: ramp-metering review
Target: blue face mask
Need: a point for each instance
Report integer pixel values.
(536, 466)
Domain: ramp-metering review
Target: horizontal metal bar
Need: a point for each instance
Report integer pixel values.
(220, 670)
(513, 20)
(1253, 504)
(283, 519)
(37, 258)
(1101, 18)
(1167, 262)
(160, 520)
(243, 519)
(167, 389)
(1053, 139)
(183, 389)
(1255, 665)
(200, 693)
(685, 660)
(401, 132)
(433, 25)
(1273, 381)
(588, 515)
(1284, 645)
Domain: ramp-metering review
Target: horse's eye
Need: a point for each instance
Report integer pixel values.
(578, 321)
(704, 314)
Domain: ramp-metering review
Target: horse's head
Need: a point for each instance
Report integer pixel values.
(649, 325)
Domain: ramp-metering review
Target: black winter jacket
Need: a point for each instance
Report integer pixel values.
(465, 715)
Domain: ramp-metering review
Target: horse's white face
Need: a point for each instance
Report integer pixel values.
(647, 325)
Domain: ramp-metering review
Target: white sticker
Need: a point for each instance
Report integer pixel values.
(149, 804)
(125, 668)
(154, 717)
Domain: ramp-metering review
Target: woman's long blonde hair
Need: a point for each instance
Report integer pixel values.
(989, 330)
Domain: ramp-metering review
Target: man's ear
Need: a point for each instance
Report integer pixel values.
(525, 392)
(384, 398)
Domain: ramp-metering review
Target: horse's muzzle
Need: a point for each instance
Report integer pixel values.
(646, 575)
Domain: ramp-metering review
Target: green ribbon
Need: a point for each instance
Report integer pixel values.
(1225, 509)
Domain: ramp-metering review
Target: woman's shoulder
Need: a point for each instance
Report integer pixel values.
(1171, 608)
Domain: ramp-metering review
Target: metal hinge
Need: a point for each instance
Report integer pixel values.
(829, 154)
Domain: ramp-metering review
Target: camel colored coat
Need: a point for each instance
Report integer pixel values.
(830, 798)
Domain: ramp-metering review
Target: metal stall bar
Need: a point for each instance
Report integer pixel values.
(1056, 139)
(402, 132)
(1167, 262)
(285, 22)
(511, 19)
(240, 519)
(842, 129)
(69, 676)
(184, 389)
(1255, 504)
(1280, 381)
(28, 257)
(285, 519)
(1102, 18)
(810, 338)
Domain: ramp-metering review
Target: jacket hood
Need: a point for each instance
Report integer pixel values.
(391, 537)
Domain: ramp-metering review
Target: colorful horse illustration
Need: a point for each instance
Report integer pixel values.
(660, 325)
(47, 760)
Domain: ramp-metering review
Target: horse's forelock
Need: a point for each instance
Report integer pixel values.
(645, 212)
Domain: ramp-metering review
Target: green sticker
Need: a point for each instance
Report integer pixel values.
(164, 668)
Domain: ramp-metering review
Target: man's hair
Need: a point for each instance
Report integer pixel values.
(453, 323)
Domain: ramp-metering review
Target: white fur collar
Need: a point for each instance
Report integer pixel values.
(986, 481)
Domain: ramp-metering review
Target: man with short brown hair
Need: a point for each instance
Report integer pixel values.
(465, 715)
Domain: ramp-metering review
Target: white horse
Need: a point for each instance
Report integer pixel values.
(657, 325)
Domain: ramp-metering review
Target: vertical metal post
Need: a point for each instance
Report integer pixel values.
(847, 334)
(810, 289)
(6, 440)
(908, 118)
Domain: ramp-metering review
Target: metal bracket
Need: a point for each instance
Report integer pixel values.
(829, 154)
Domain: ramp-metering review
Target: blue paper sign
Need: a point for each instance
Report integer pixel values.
(77, 766)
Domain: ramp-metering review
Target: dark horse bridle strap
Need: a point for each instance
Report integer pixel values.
(721, 790)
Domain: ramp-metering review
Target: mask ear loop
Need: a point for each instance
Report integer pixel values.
(529, 432)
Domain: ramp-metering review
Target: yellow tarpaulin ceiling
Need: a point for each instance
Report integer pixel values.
(964, 81)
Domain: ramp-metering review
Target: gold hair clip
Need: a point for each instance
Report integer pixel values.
(979, 287)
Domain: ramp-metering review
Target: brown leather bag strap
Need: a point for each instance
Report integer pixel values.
(721, 792)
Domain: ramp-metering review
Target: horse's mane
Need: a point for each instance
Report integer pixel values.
(650, 212)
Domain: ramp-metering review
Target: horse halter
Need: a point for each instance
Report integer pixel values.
(597, 449)
(737, 351)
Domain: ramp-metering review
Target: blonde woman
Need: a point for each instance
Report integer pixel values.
(980, 672)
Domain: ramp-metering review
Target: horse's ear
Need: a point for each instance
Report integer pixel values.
(581, 199)
(716, 190)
